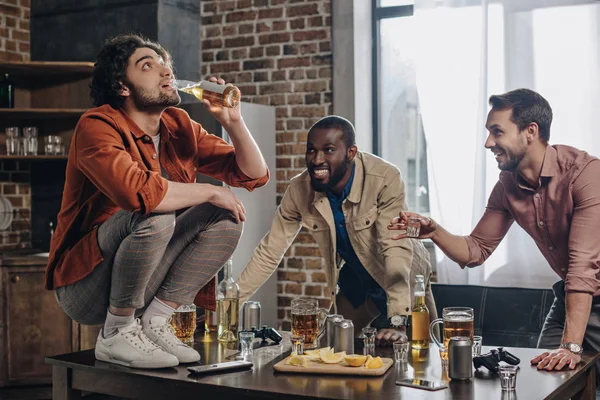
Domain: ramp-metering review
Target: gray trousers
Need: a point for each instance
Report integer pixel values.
(165, 255)
(552, 331)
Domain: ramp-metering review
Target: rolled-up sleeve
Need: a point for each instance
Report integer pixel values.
(490, 229)
(216, 158)
(584, 240)
(101, 155)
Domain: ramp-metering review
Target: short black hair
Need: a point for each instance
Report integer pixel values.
(527, 107)
(111, 66)
(337, 122)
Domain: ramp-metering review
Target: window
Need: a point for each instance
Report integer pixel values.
(397, 126)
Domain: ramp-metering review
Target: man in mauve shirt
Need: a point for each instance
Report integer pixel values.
(136, 235)
(553, 192)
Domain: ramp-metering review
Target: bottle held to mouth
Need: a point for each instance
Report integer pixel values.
(221, 95)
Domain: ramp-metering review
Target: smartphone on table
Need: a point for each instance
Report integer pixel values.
(422, 384)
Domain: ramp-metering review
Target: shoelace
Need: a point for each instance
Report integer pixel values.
(138, 333)
(166, 329)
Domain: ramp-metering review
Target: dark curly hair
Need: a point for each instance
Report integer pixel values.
(111, 67)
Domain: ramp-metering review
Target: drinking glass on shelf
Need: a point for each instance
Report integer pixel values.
(30, 141)
(53, 145)
(12, 140)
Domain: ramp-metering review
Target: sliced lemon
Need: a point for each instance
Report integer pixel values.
(374, 363)
(335, 358)
(355, 360)
(298, 361)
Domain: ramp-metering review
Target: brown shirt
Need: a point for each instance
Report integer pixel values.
(562, 215)
(113, 165)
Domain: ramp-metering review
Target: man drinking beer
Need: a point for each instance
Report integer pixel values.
(553, 192)
(346, 198)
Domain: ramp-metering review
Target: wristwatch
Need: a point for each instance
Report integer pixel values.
(398, 321)
(572, 347)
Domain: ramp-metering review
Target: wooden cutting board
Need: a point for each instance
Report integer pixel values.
(317, 367)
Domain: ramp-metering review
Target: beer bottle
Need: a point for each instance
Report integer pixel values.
(222, 95)
(228, 297)
(420, 316)
(7, 93)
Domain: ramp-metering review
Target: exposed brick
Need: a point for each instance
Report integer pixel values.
(209, 8)
(293, 288)
(325, 72)
(208, 56)
(229, 30)
(307, 251)
(264, 27)
(283, 162)
(280, 175)
(322, 60)
(289, 149)
(301, 137)
(295, 74)
(315, 21)
(297, 24)
(274, 88)
(278, 76)
(20, 35)
(273, 51)
(212, 31)
(313, 263)
(212, 19)
(310, 35)
(278, 123)
(212, 44)
(247, 90)
(261, 3)
(311, 290)
(241, 16)
(279, 25)
(314, 98)
(293, 62)
(11, 45)
(324, 46)
(299, 162)
(292, 173)
(270, 13)
(311, 86)
(277, 100)
(224, 67)
(279, 288)
(285, 137)
(10, 22)
(294, 99)
(16, 201)
(286, 326)
(222, 55)
(318, 277)
(239, 53)
(293, 124)
(258, 64)
(244, 29)
(281, 311)
(9, 188)
(261, 76)
(6, 9)
(309, 9)
(281, 37)
(240, 41)
(243, 4)
(291, 276)
(284, 301)
(226, 5)
(257, 52)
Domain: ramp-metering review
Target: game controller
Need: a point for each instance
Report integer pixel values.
(265, 333)
(491, 360)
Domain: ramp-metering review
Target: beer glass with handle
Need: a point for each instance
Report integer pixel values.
(308, 321)
(457, 321)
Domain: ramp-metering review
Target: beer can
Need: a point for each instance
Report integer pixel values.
(460, 358)
(343, 336)
(330, 327)
(251, 315)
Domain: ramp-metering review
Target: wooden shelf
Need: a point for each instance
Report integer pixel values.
(46, 68)
(41, 157)
(41, 113)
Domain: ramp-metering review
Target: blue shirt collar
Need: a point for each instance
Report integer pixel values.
(333, 197)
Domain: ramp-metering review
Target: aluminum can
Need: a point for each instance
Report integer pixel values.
(251, 315)
(460, 358)
(330, 327)
(343, 336)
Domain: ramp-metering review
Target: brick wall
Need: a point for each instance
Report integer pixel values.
(14, 30)
(14, 176)
(278, 52)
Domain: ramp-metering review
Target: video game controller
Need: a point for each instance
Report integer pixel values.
(265, 333)
(491, 360)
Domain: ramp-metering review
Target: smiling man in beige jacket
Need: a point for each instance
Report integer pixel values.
(346, 199)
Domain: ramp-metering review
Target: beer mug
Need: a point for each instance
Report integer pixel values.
(308, 320)
(183, 322)
(457, 321)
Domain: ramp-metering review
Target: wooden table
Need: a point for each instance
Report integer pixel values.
(76, 372)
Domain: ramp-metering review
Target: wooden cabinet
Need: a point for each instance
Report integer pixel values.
(32, 325)
(51, 96)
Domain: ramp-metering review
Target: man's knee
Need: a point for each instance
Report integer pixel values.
(156, 225)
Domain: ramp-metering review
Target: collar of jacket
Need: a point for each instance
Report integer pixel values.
(165, 128)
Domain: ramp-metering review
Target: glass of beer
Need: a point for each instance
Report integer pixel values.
(183, 322)
(457, 321)
(308, 320)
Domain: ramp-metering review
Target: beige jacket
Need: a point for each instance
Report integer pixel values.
(376, 196)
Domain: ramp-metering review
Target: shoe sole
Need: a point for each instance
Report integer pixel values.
(137, 364)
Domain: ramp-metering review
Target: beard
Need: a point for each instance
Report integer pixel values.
(336, 177)
(512, 161)
(143, 98)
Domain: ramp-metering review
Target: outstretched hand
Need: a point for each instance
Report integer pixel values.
(400, 223)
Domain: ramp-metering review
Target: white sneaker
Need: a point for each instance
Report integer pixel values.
(130, 347)
(160, 331)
